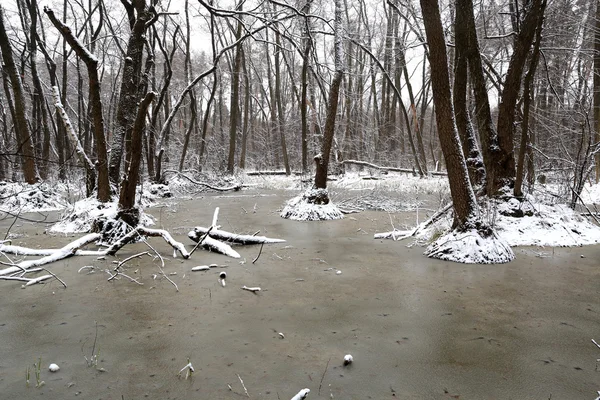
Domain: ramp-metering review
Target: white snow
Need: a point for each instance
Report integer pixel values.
(18, 198)
(53, 367)
(301, 209)
(591, 194)
(470, 248)
(301, 394)
(80, 216)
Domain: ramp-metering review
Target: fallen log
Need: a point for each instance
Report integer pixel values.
(225, 236)
(236, 187)
(393, 169)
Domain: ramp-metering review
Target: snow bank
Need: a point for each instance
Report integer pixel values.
(21, 197)
(80, 217)
(551, 225)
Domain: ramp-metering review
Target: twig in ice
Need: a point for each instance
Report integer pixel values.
(322, 377)
(244, 386)
(162, 261)
(121, 263)
(303, 394)
(222, 277)
(251, 289)
(260, 251)
(201, 240)
(55, 277)
(190, 370)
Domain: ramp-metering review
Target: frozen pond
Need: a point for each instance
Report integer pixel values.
(417, 328)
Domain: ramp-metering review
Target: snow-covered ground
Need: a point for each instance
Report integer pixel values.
(553, 223)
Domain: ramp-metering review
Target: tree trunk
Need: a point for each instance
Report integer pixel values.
(130, 84)
(459, 95)
(597, 89)
(91, 63)
(24, 139)
(465, 205)
(527, 95)
(504, 171)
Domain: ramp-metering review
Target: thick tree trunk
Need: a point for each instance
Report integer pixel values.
(24, 139)
(322, 159)
(465, 205)
(132, 164)
(130, 84)
(504, 172)
(459, 99)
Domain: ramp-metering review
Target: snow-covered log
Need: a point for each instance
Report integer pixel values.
(235, 187)
(383, 168)
(214, 245)
(225, 236)
(471, 247)
(143, 231)
(301, 394)
(67, 251)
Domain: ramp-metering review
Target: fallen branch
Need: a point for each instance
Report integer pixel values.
(230, 237)
(237, 187)
(251, 289)
(399, 235)
(303, 394)
(393, 169)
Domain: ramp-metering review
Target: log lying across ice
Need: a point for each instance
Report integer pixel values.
(225, 236)
(211, 244)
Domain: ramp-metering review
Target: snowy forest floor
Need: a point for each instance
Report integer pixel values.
(416, 327)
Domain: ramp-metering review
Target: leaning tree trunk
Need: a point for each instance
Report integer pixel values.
(23, 133)
(91, 63)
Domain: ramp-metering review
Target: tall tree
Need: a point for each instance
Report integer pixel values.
(140, 18)
(24, 139)
(466, 210)
(91, 63)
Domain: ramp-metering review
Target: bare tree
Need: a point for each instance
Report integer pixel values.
(25, 147)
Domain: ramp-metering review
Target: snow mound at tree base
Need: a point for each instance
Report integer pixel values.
(84, 214)
(470, 247)
(312, 205)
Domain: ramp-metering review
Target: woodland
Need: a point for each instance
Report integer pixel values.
(304, 129)
(502, 98)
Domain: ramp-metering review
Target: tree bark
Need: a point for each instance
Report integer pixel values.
(130, 83)
(24, 139)
(91, 63)
(504, 172)
(465, 205)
